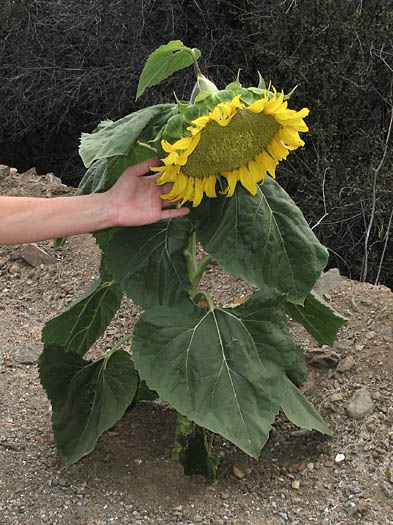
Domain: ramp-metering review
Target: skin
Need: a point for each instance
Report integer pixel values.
(134, 200)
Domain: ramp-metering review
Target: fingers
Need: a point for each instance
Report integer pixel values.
(143, 167)
(177, 212)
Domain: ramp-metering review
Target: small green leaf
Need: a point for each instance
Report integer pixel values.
(224, 368)
(149, 262)
(117, 138)
(194, 446)
(301, 412)
(163, 62)
(87, 397)
(85, 320)
(144, 393)
(318, 318)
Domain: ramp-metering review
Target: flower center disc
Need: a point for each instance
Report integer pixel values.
(225, 148)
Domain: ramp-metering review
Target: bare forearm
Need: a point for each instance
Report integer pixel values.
(29, 219)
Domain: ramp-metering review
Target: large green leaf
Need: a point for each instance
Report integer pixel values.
(103, 173)
(301, 412)
(117, 138)
(223, 369)
(149, 262)
(318, 318)
(78, 327)
(265, 240)
(87, 397)
(163, 62)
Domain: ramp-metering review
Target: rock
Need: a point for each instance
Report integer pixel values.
(371, 334)
(390, 473)
(339, 458)
(387, 489)
(328, 281)
(15, 269)
(336, 397)
(295, 484)
(238, 473)
(35, 256)
(4, 170)
(323, 358)
(27, 356)
(346, 364)
(360, 404)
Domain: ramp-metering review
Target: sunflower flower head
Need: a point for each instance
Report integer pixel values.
(237, 137)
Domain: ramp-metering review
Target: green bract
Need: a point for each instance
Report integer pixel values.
(225, 370)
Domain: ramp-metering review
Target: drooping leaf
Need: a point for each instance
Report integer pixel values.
(87, 397)
(301, 412)
(318, 318)
(265, 240)
(103, 173)
(224, 369)
(149, 262)
(117, 138)
(85, 320)
(163, 62)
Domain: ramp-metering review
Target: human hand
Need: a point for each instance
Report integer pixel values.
(135, 199)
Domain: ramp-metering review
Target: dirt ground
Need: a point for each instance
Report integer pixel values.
(131, 478)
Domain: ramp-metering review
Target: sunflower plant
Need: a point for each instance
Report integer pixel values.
(226, 371)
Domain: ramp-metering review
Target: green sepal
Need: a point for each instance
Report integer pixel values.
(261, 82)
(236, 83)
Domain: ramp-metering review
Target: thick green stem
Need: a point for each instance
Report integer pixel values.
(195, 269)
(117, 346)
(196, 65)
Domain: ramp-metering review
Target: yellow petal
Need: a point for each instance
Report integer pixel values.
(232, 178)
(247, 180)
(235, 102)
(257, 170)
(291, 137)
(273, 104)
(269, 163)
(258, 106)
(198, 193)
(210, 186)
(277, 149)
(189, 192)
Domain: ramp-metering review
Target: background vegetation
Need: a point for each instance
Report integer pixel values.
(66, 65)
